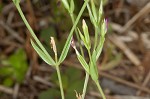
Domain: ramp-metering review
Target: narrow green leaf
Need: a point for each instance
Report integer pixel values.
(83, 39)
(93, 67)
(47, 59)
(16, 2)
(100, 47)
(68, 42)
(31, 30)
(72, 6)
(65, 50)
(82, 61)
(94, 10)
(66, 5)
(91, 16)
(100, 11)
(19, 65)
(93, 71)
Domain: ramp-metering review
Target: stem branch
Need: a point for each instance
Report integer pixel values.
(100, 89)
(85, 85)
(60, 82)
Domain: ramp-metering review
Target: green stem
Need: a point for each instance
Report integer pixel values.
(90, 55)
(100, 89)
(85, 85)
(72, 30)
(82, 53)
(78, 17)
(30, 29)
(60, 82)
(77, 35)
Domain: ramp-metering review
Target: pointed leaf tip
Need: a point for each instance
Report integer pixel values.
(46, 58)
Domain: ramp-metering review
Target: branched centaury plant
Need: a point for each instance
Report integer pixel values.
(42, 51)
(100, 25)
(70, 8)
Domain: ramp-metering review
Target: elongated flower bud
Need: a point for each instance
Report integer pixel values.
(53, 45)
(106, 23)
(73, 44)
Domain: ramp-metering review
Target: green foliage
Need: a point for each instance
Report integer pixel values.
(72, 6)
(1, 7)
(71, 79)
(93, 67)
(19, 64)
(8, 82)
(98, 22)
(82, 61)
(49, 94)
(66, 5)
(6, 71)
(16, 1)
(68, 42)
(46, 58)
(16, 70)
(94, 11)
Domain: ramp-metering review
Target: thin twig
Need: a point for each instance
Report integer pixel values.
(132, 57)
(122, 81)
(43, 81)
(146, 81)
(145, 10)
(11, 32)
(6, 90)
(16, 90)
(118, 96)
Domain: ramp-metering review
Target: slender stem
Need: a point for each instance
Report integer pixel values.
(82, 53)
(100, 89)
(30, 29)
(72, 29)
(77, 35)
(90, 55)
(97, 82)
(78, 17)
(85, 85)
(60, 82)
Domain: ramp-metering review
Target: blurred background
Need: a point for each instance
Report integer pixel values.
(124, 65)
